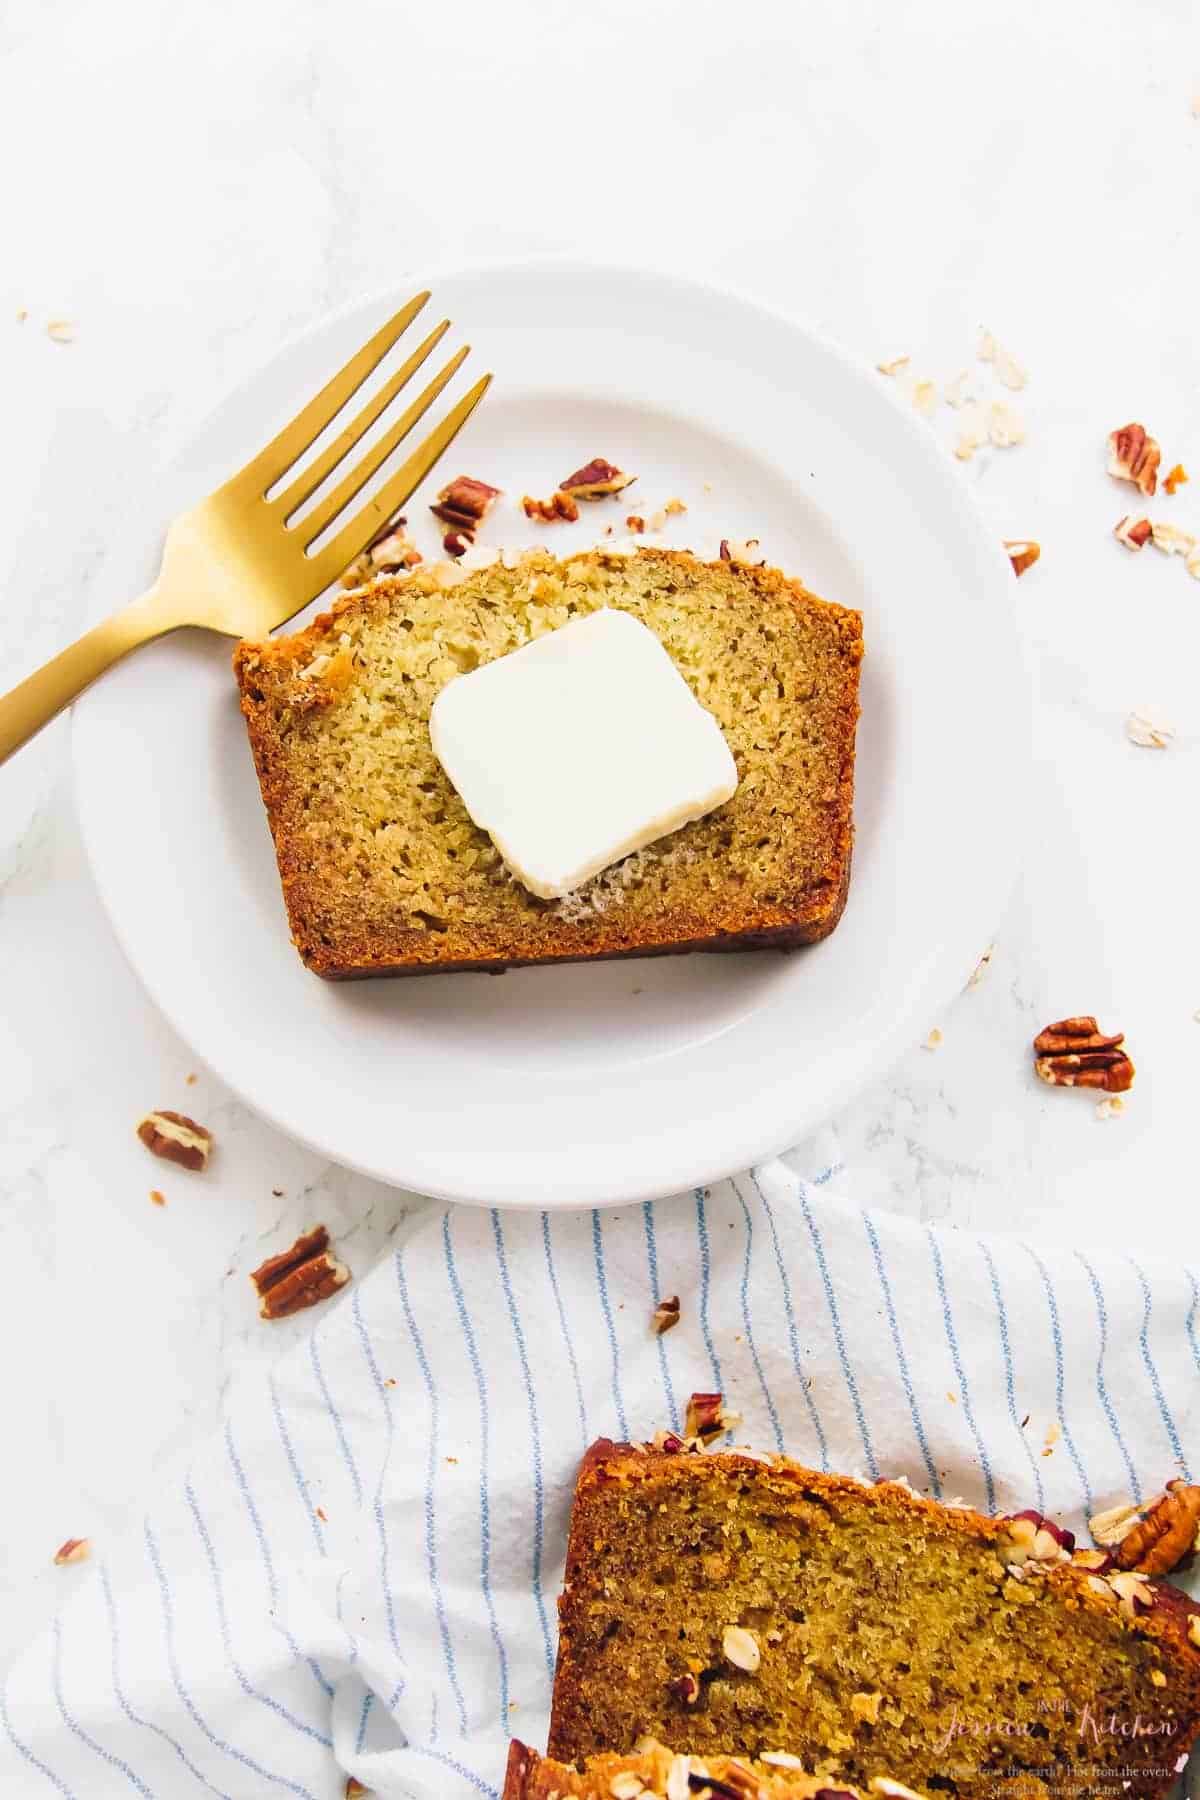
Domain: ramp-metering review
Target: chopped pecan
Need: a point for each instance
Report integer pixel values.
(635, 523)
(666, 1314)
(464, 503)
(456, 543)
(176, 1138)
(1165, 1535)
(1149, 731)
(1176, 478)
(1133, 533)
(547, 512)
(389, 551)
(1076, 1053)
(684, 1688)
(742, 550)
(73, 1551)
(595, 480)
(707, 1418)
(300, 1277)
(1134, 456)
(354, 1788)
(740, 1647)
(1022, 553)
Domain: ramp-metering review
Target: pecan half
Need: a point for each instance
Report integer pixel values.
(1176, 478)
(1076, 1053)
(1133, 533)
(1022, 553)
(1165, 1535)
(73, 1551)
(176, 1138)
(464, 504)
(300, 1277)
(1134, 456)
(665, 1314)
(548, 512)
(595, 480)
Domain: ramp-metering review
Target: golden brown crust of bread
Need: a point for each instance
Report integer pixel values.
(533, 1777)
(1060, 1623)
(340, 939)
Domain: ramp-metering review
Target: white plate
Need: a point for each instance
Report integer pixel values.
(620, 1081)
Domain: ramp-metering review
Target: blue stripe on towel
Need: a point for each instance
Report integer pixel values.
(134, 1717)
(789, 1314)
(485, 1524)
(431, 1454)
(34, 1762)
(745, 1295)
(610, 1328)
(839, 1340)
(656, 1296)
(385, 1577)
(73, 1725)
(535, 1440)
(338, 1426)
(1191, 1318)
(190, 1707)
(363, 1716)
(1164, 1411)
(298, 1475)
(243, 1680)
(963, 1390)
(1010, 1390)
(239, 1475)
(705, 1282)
(901, 1359)
(1060, 1376)
(563, 1326)
(1101, 1389)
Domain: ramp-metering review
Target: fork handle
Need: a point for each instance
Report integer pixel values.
(42, 695)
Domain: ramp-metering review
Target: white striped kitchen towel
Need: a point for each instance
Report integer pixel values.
(359, 1574)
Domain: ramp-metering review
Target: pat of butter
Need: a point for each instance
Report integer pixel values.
(579, 748)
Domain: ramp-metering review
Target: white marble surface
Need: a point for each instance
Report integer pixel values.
(189, 184)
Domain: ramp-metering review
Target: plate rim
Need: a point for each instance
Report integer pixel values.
(748, 1146)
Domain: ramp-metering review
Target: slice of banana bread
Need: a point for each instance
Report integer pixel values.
(384, 871)
(662, 1774)
(718, 1602)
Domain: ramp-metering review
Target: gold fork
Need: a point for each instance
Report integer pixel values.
(233, 564)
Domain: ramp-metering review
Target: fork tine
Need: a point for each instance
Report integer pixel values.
(310, 479)
(327, 510)
(341, 551)
(278, 456)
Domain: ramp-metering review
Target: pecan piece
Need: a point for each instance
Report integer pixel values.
(635, 523)
(389, 551)
(1133, 533)
(1022, 553)
(1076, 1053)
(548, 512)
(73, 1551)
(354, 1788)
(595, 480)
(1176, 478)
(1134, 456)
(684, 1688)
(742, 550)
(706, 1417)
(1165, 1535)
(665, 1314)
(300, 1277)
(176, 1138)
(464, 504)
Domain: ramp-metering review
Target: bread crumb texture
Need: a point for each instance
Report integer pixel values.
(852, 1590)
(383, 869)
